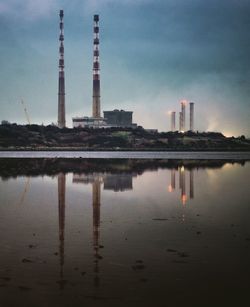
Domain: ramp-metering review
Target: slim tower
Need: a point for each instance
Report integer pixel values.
(172, 121)
(61, 81)
(183, 116)
(96, 70)
(191, 108)
(180, 121)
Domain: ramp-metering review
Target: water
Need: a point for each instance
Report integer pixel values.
(124, 233)
(127, 154)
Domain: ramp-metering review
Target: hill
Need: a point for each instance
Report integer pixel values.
(39, 137)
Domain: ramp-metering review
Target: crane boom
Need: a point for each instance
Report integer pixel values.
(25, 112)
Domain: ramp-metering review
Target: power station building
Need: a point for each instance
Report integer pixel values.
(91, 122)
(115, 118)
(119, 118)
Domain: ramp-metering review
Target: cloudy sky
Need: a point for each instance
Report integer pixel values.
(154, 53)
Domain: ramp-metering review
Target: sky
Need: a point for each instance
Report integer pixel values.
(153, 54)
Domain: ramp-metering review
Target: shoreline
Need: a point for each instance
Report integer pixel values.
(172, 155)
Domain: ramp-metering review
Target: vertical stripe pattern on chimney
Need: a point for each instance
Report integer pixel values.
(61, 81)
(96, 70)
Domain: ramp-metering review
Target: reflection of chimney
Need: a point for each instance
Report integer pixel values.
(183, 185)
(180, 178)
(172, 185)
(61, 210)
(96, 194)
(191, 192)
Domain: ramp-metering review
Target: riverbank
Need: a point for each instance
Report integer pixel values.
(185, 155)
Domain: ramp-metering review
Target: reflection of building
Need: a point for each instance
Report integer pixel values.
(86, 179)
(61, 214)
(117, 182)
(182, 183)
(114, 182)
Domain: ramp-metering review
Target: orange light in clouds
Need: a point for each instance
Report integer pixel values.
(184, 101)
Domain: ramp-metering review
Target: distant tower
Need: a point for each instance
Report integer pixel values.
(172, 121)
(191, 106)
(180, 121)
(96, 70)
(183, 115)
(61, 81)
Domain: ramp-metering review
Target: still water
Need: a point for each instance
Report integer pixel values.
(124, 234)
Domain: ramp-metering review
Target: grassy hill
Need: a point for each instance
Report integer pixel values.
(37, 137)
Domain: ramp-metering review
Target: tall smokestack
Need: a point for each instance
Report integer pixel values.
(172, 121)
(183, 116)
(61, 81)
(180, 121)
(191, 106)
(96, 70)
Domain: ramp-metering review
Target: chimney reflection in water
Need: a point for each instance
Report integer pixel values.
(96, 204)
(183, 186)
(96, 198)
(182, 183)
(61, 213)
(191, 178)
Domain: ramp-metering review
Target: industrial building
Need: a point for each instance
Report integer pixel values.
(115, 118)
(91, 122)
(119, 118)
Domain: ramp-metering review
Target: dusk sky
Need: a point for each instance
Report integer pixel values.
(153, 54)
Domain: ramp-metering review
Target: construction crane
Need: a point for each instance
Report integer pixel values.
(25, 111)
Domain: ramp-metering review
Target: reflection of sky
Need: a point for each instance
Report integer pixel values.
(153, 53)
(130, 228)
